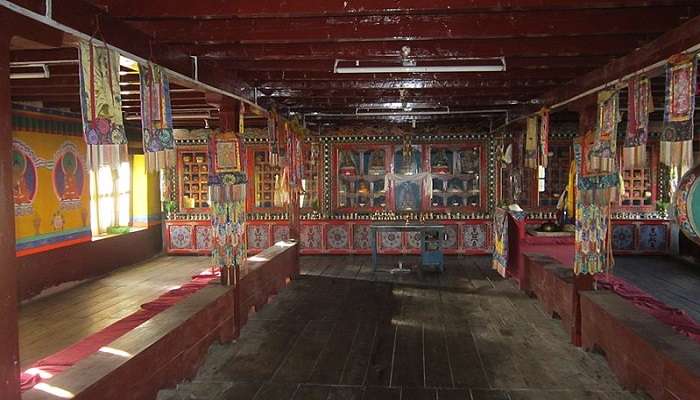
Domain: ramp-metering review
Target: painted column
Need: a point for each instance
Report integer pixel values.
(9, 338)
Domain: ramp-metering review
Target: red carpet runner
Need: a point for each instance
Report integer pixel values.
(677, 319)
(66, 358)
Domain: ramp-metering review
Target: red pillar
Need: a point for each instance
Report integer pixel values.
(9, 338)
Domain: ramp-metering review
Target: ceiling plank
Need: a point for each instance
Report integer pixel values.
(670, 43)
(273, 8)
(418, 27)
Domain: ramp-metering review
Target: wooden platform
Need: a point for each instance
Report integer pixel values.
(52, 323)
(342, 331)
(674, 282)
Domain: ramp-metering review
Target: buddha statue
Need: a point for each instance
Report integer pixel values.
(19, 184)
(69, 166)
(407, 164)
(454, 185)
(363, 188)
(439, 163)
(408, 196)
(376, 163)
(347, 165)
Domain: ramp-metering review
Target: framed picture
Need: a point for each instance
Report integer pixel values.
(228, 153)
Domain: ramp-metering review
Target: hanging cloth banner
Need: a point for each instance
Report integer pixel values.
(677, 137)
(592, 200)
(409, 190)
(639, 105)
(601, 157)
(101, 105)
(227, 193)
(530, 158)
(592, 185)
(543, 136)
(499, 261)
(156, 118)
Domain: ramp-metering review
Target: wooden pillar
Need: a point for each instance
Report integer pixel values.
(588, 114)
(9, 338)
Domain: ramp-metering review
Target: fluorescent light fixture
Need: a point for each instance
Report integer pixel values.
(493, 64)
(44, 74)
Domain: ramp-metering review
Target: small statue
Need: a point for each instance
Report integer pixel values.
(376, 162)
(347, 164)
(439, 164)
(454, 185)
(363, 188)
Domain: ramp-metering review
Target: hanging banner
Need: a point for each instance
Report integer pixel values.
(639, 105)
(543, 137)
(101, 105)
(592, 200)
(602, 155)
(227, 194)
(592, 185)
(499, 260)
(530, 157)
(677, 137)
(156, 118)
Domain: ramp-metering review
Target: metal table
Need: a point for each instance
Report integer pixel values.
(398, 227)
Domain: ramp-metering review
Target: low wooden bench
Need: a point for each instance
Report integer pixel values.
(557, 289)
(642, 351)
(171, 346)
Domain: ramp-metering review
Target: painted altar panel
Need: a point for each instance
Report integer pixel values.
(311, 238)
(451, 245)
(188, 237)
(653, 238)
(258, 236)
(475, 237)
(338, 238)
(624, 237)
(360, 238)
(50, 182)
(390, 242)
(280, 233)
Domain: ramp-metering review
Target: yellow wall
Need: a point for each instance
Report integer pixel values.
(145, 193)
(49, 220)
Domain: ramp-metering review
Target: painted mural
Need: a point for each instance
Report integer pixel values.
(50, 182)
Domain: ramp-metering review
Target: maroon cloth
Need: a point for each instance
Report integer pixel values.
(677, 319)
(66, 358)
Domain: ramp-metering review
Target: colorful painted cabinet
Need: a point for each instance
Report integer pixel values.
(640, 237)
(188, 237)
(352, 237)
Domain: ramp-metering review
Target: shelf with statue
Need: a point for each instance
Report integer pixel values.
(456, 173)
(359, 181)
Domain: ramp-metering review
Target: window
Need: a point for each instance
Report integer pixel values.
(110, 194)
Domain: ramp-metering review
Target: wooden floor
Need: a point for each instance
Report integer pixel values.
(55, 322)
(672, 281)
(341, 331)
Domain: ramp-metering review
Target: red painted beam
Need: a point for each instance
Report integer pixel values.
(9, 334)
(401, 93)
(591, 45)
(406, 84)
(256, 77)
(273, 8)
(418, 27)
(668, 44)
(87, 18)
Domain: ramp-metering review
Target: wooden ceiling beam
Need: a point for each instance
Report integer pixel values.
(87, 18)
(670, 43)
(306, 8)
(589, 45)
(418, 27)
(407, 83)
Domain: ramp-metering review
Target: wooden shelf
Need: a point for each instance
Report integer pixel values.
(193, 176)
